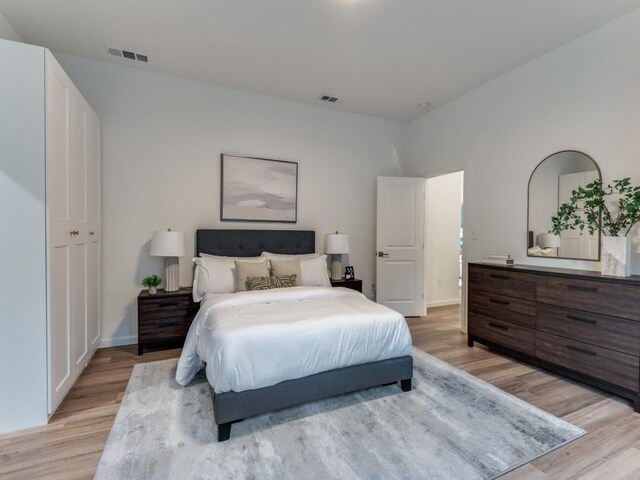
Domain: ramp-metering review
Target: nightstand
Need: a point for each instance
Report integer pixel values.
(352, 284)
(164, 318)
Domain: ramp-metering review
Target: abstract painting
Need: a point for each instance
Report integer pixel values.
(258, 189)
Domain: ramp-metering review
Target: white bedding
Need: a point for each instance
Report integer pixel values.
(256, 339)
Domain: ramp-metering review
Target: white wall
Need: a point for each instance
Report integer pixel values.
(444, 201)
(7, 31)
(583, 96)
(162, 138)
(23, 306)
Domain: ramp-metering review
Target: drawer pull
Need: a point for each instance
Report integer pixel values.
(580, 350)
(500, 327)
(583, 320)
(581, 288)
(501, 302)
(500, 277)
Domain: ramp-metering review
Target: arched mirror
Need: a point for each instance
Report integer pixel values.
(551, 184)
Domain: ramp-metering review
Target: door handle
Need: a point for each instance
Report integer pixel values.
(73, 233)
(382, 255)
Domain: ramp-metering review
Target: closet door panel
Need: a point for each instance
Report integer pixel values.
(60, 365)
(94, 215)
(79, 245)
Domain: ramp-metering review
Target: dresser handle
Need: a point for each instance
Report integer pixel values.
(500, 277)
(583, 320)
(581, 288)
(500, 327)
(501, 302)
(580, 350)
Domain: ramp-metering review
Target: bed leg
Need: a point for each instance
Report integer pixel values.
(405, 385)
(224, 431)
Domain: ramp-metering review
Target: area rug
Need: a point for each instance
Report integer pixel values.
(450, 426)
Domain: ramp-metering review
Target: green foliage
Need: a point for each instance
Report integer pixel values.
(151, 281)
(588, 205)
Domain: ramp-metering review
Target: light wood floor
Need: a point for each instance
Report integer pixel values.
(70, 446)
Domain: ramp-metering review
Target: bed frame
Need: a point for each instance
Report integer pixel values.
(233, 407)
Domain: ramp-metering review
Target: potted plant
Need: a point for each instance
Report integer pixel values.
(611, 210)
(152, 282)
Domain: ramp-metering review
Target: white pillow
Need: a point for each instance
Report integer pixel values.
(313, 268)
(314, 272)
(216, 274)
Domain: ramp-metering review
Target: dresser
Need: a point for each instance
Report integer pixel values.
(165, 317)
(577, 323)
(50, 241)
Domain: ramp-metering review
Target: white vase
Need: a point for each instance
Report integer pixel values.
(616, 256)
(153, 290)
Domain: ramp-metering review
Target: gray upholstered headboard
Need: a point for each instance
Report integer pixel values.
(251, 243)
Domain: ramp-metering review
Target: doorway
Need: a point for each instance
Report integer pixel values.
(444, 238)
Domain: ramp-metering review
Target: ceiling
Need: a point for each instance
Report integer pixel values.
(381, 57)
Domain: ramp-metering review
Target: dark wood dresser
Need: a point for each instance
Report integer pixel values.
(355, 284)
(577, 323)
(164, 318)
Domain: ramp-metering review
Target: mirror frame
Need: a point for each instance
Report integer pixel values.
(597, 259)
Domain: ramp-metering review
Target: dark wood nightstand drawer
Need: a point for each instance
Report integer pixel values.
(503, 282)
(508, 334)
(164, 317)
(514, 310)
(612, 367)
(352, 284)
(598, 297)
(599, 330)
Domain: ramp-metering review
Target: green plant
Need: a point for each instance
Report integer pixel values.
(588, 205)
(151, 281)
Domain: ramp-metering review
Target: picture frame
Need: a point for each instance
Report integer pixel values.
(349, 273)
(254, 189)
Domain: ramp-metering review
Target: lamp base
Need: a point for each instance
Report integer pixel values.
(337, 270)
(171, 274)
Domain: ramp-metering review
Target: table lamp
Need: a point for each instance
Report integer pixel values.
(336, 244)
(549, 240)
(169, 244)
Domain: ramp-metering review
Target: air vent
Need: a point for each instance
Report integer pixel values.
(116, 52)
(328, 98)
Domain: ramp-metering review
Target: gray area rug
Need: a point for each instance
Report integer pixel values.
(451, 426)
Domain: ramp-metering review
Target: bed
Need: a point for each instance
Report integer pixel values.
(320, 341)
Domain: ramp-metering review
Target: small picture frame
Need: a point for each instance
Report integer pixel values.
(349, 273)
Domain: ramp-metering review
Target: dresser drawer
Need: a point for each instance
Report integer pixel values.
(152, 305)
(503, 282)
(499, 307)
(599, 297)
(613, 367)
(599, 330)
(164, 328)
(508, 334)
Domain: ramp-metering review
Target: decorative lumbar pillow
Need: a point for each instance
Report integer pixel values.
(245, 269)
(285, 266)
(273, 281)
(216, 274)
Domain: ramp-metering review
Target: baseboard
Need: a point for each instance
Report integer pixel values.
(118, 341)
(443, 303)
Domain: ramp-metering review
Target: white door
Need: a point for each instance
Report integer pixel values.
(400, 244)
(576, 243)
(93, 226)
(58, 91)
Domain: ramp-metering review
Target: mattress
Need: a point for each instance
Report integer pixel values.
(249, 340)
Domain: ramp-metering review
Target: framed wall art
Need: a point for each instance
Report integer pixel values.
(258, 189)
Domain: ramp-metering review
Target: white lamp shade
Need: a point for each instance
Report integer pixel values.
(336, 243)
(167, 243)
(549, 240)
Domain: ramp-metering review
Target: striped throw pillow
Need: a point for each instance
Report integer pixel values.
(274, 281)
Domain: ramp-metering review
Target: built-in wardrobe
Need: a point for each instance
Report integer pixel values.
(50, 240)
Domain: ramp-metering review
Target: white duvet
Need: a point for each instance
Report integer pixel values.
(256, 339)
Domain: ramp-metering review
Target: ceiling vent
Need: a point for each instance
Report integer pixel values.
(329, 98)
(116, 52)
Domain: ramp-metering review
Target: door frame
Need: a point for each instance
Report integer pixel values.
(460, 167)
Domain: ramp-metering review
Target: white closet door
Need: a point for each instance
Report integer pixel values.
(80, 238)
(94, 219)
(60, 371)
